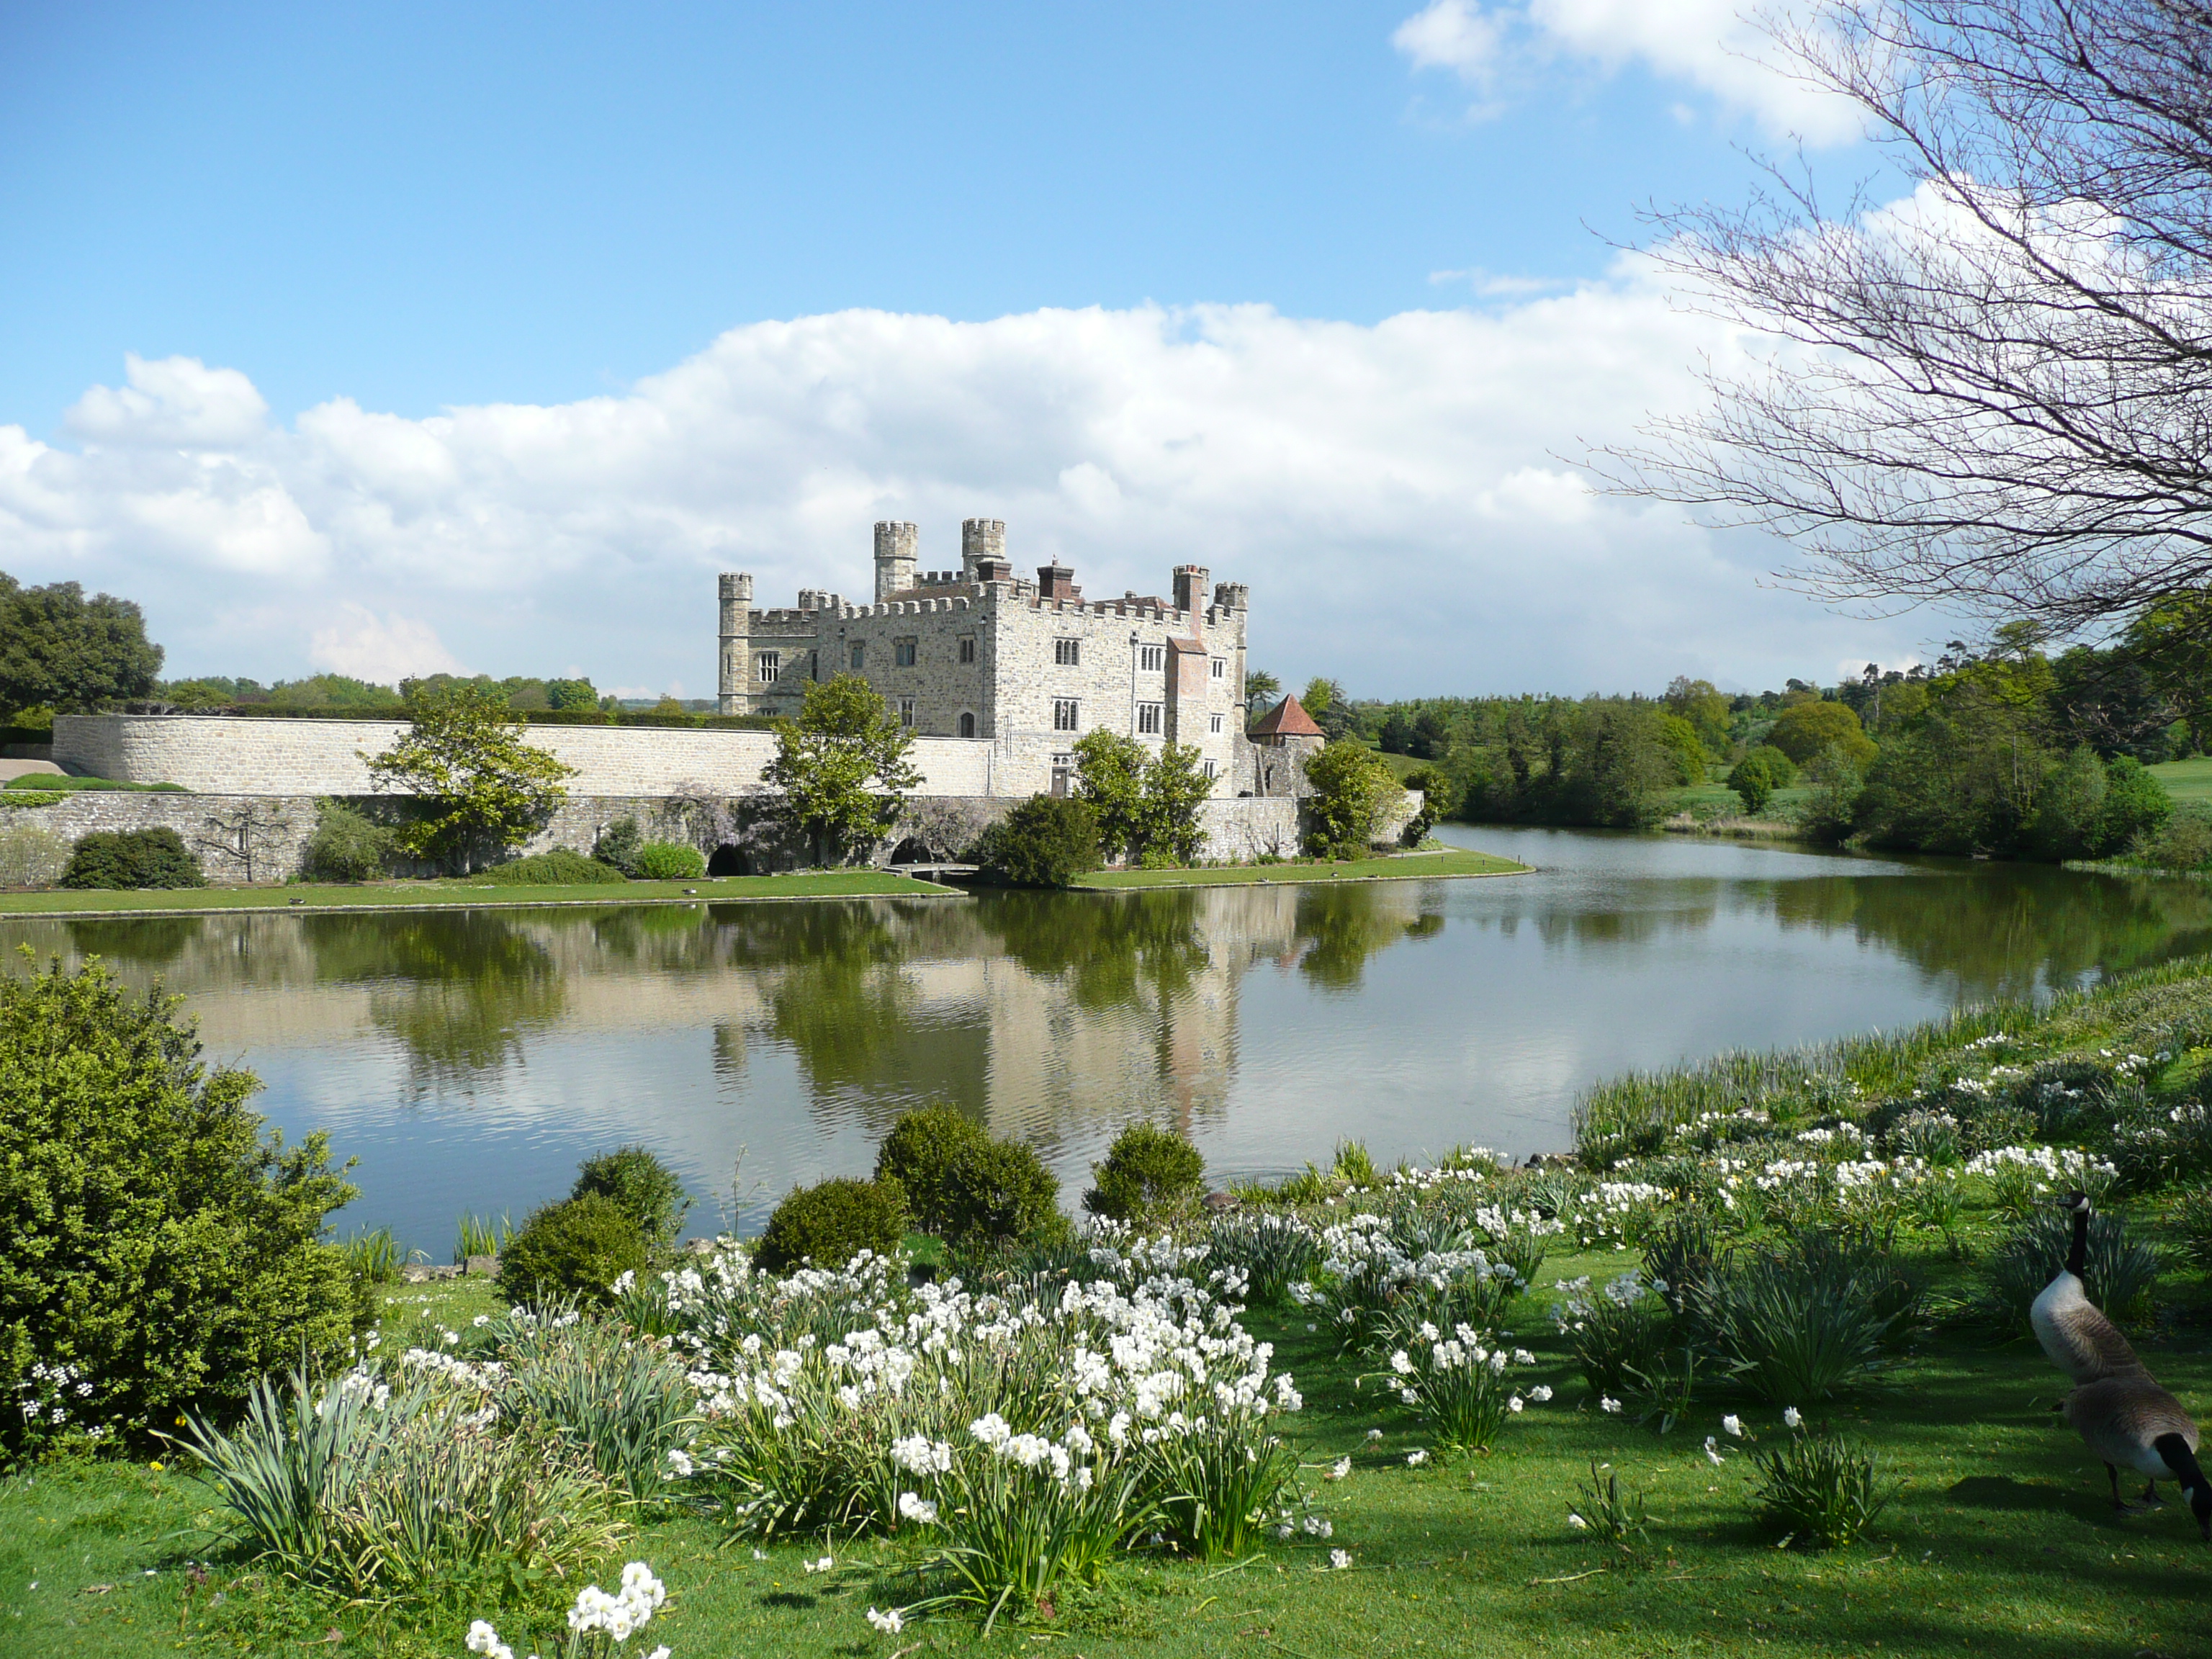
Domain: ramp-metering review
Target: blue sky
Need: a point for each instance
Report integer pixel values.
(366, 259)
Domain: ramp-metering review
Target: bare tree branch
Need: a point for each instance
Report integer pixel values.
(1997, 395)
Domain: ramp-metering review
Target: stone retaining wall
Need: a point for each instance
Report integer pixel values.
(262, 838)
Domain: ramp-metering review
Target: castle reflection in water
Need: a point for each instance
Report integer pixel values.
(468, 1059)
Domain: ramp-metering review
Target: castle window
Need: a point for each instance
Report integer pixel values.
(1221, 668)
(1151, 659)
(859, 656)
(906, 713)
(1210, 771)
(967, 647)
(903, 652)
(1213, 724)
(771, 664)
(1148, 718)
(967, 726)
(1063, 714)
(1067, 653)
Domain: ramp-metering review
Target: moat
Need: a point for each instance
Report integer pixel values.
(468, 1059)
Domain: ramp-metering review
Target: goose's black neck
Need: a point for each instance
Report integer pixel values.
(2077, 1258)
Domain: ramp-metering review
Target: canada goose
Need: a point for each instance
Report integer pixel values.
(2081, 1341)
(2132, 1420)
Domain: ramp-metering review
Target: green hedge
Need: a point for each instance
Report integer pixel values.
(832, 1222)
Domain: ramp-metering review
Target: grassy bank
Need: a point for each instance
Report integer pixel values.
(1399, 866)
(1999, 1537)
(2164, 1008)
(448, 895)
(2188, 780)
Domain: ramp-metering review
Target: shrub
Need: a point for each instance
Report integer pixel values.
(30, 856)
(618, 846)
(2120, 1270)
(158, 1247)
(575, 1249)
(830, 1223)
(2182, 843)
(1046, 842)
(1351, 787)
(668, 861)
(1803, 730)
(2135, 803)
(1819, 1487)
(132, 858)
(1150, 1173)
(558, 868)
(649, 1192)
(961, 1185)
(1806, 1321)
(347, 845)
(1759, 774)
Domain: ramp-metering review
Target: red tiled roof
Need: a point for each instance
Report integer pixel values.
(1287, 718)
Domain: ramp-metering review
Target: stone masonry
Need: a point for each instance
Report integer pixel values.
(1026, 667)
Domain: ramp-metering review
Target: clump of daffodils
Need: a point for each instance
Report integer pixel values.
(597, 1615)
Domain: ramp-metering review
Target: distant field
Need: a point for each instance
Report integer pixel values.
(442, 895)
(2189, 779)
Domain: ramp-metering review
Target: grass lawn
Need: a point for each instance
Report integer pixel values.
(2187, 779)
(1399, 867)
(1999, 1541)
(442, 895)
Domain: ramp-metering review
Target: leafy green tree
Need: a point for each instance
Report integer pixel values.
(571, 694)
(1437, 800)
(1110, 778)
(1832, 812)
(1351, 788)
(841, 768)
(1701, 703)
(1262, 691)
(60, 650)
(1685, 746)
(481, 787)
(158, 1245)
(1176, 786)
(1804, 729)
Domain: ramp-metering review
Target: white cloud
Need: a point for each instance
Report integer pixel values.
(1715, 45)
(1394, 494)
(176, 402)
(384, 649)
(1454, 35)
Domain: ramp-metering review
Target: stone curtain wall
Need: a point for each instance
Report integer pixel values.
(219, 755)
(262, 838)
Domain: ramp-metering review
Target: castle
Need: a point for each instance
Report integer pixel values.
(1027, 668)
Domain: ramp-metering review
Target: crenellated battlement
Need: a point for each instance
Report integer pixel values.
(981, 652)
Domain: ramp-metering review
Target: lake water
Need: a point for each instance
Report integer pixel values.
(469, 1060)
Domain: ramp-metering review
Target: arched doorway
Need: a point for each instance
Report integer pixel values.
(967, 726)
(911, 851)
(727, 860)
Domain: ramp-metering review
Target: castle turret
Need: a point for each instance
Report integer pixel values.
(897, 546)
(980, 539)
(734, 689)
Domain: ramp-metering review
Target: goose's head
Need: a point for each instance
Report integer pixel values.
(2075, 1202)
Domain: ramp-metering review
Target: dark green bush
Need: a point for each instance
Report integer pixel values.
(558, 868)
(618, 846)
(347, 845)
(132, 858)
(668, 861)
(154, 1242)
(1150, 1174)
(961, 1185)
(830, 1223)
(572, 1250)
(1046, 842)
(1759, 774)
(1804, 1320)
(650, 1193)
